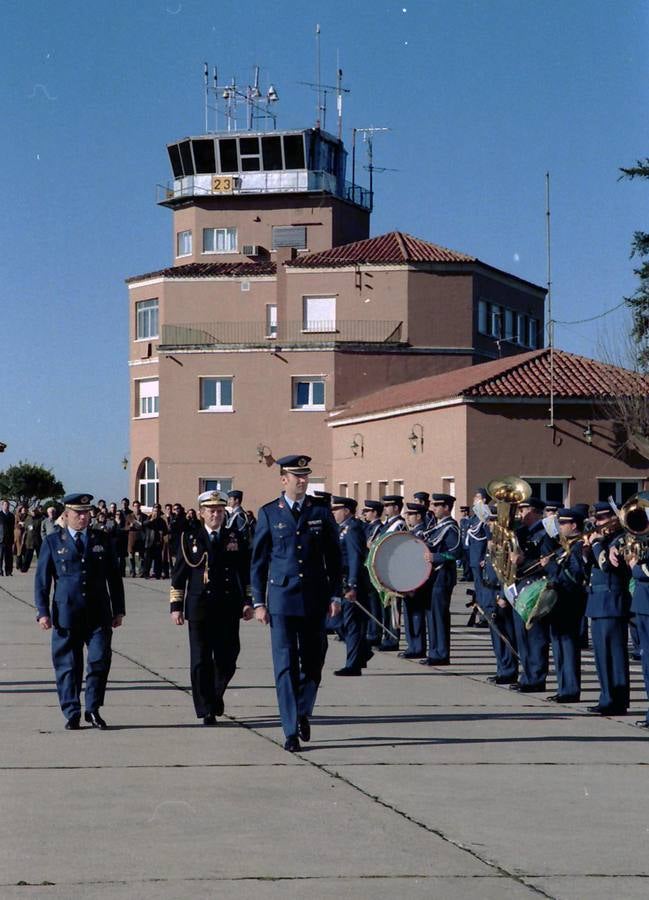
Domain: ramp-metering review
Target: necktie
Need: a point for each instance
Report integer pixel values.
(78, 543)
(295, 509)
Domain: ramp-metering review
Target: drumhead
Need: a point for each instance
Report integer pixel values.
(398, 562)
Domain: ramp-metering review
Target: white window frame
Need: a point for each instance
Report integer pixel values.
(218, 407)
(321, 324)
(311, 380)
(618, 482)
(154, 406)
(343, 489)
(228, 237)
(181, 236)
(521, 329)
(147, 315)
(496, 325)
(545, 481)
(145, 484)
(533, 332)
(221, 482)
(271, 320)
(315, 484)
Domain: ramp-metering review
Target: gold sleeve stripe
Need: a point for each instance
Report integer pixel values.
(176, 595)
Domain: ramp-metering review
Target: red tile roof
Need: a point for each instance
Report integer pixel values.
(245, 269)
(396, 247)
(524, 376)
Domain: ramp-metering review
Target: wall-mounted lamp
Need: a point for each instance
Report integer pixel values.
(357, 446)
(265, 454)
(125, 462)
(416, 438)
(588, 434)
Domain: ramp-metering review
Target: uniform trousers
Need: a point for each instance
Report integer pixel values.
(67, 656)
(213, 652)
(6, 559)
(389, 616)
(414, 620)
(565, 635)
(501, 618)
(375, 606)
(534, 650)
(354, 630)
(642, 624)
(297, 646)
(438, 618)
(610, 637)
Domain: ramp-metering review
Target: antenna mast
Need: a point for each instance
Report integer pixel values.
(257, 104)
(368, 134)
(549, 283)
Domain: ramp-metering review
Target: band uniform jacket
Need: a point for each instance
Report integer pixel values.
(476, 539)
(88, 589)
(608, 589)
(534, 542)
(296, 565)
(353, 548)
(372, 531)
(568, 575)
(390, 526)
(444, 542)
(200, 596)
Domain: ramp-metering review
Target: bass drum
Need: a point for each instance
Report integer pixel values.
(535, 601)
(397, 563)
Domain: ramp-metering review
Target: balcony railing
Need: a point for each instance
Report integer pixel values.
(297, 334)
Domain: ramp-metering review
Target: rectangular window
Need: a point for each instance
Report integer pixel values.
(495, 321)
(550, 490)
(397, 487)
(509, 324)
(293, 151)
(533, 337)
(383, 489)
(146, 319)
(216, 395)
(343, 489)
(272, 152)
(308, 392)
(249, 154)
(271, 320)
(316, 483)
(319, 313)
(483, 317)
(184, 243)
(368, 490)
(619, 489)
(289, 236)
(147, 393)
(228, 155)
(215, 484)
(219, 240)
(521, 329)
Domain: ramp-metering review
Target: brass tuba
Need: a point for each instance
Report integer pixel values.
(508, 492)
(634, 518)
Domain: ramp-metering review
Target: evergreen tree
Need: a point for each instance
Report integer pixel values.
(639, 301)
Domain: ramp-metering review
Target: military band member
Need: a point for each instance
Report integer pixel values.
(372, 516)
(477, 536)
(464, 523)
(443, 540)
(394, 522)
(353, 550)
(608, 607)
(296, 578)
(416, 603)
(236, 515)
(423, 497)
(500, 616)
(209, 584)
(567, 574)
(534, 644)
(640, 608)
(88, 603)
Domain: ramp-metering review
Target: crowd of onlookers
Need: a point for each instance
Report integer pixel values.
(145, 544)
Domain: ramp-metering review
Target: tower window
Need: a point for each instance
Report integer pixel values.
(219, 240)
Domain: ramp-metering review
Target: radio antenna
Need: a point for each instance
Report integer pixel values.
(549, 295)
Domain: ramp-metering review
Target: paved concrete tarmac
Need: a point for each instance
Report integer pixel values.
(418, 783)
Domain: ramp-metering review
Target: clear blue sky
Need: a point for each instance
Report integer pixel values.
(482, 96)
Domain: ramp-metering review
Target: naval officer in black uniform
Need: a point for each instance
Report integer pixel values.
(296, 578)
(88, 603)
(209, 583)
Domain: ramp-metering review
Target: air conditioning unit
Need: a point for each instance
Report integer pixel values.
(250, 250)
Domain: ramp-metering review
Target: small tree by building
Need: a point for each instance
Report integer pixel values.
(28, 483)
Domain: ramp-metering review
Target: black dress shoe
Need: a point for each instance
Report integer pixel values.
(514, 686)
(641, 723)
(406, 654)
(304, 728)
(531, 688)
(607, 710)
(502, 679)
(209, 721)
(95, 720)
(368, 657)
(386, 646)
(429, 661)
(219, 706)
(73, 723)
(292, 744)
(347, 670)
(566, 698)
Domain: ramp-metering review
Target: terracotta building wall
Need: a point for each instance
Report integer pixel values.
(387, 455)
(513, 295)
(440, 309)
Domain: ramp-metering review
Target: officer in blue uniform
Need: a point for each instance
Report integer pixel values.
(443, 540)
(394, 522)
(639, 566)
(608, 607)
(423, 498)
(209, 583)
(88, 603)
(296, 577)
(476, 538)
(567, 573)
(416, 603)
(464, 523)
(353, 550)
(534, 644)
(372, 513)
